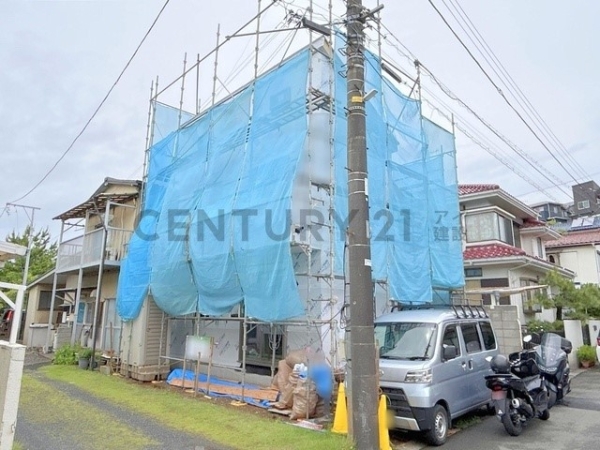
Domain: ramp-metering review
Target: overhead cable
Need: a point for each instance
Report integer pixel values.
(499, 90)
(47, 174)
(512, 87)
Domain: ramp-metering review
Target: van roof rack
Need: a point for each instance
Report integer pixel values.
(399, 306)
(470, 311)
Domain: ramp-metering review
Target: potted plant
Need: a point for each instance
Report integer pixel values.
(586, 354)
(84, 358)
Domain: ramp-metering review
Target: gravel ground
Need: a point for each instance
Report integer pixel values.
(34, 436)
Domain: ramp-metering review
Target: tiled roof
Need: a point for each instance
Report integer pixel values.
(464, 189)
(575, 238)
(533, 223)
(492, 251)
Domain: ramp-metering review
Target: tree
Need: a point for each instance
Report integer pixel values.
(581, 303)
(42, 260)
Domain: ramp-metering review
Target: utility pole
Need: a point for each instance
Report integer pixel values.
(29, 235)
(363, 363)
(16, 323)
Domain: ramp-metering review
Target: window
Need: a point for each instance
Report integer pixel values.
(482, 227)
(489, 341)
(451, 338)
(489, 226)
(555, 209)
(471, 337)
(528, 297)
(584, 204)
(472, 272)
(506, 230)
(540, 247)
(552, 259)
(44, 301)
(406, 340)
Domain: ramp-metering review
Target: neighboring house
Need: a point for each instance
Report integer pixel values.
(586, 199)
(87, 269)
(551, 212)
(578, 251)
(504, 249)
(37, 314)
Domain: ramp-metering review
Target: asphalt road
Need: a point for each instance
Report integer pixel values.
(574, 425)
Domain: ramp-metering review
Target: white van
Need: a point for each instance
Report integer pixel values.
(432, 366)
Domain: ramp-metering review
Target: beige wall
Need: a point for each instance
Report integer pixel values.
(581, 260)
(33, 315)
(123, 217)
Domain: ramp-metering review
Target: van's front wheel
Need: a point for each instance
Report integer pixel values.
(439, 431)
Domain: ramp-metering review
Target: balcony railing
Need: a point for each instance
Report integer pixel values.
(86, 250)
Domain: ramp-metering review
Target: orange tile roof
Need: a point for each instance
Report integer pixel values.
(575, 238)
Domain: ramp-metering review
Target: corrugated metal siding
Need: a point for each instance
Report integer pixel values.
(153, 333)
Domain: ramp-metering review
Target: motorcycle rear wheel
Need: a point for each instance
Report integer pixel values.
(512, 422)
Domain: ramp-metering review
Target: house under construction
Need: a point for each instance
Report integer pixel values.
(242, 230)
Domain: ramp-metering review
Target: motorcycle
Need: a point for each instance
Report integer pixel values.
(551, 357)
(519, 390)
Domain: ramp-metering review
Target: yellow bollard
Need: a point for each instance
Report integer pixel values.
(384, 434)
(340, 420)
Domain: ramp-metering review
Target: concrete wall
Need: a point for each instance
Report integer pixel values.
(507, 327)
(574, 333)
(12, 357)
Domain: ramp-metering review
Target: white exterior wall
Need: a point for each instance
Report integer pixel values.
(583, 261)
(574, 333)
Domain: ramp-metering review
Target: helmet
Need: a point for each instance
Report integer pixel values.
(500, 364)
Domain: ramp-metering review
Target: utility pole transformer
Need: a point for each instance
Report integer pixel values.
(363, 362)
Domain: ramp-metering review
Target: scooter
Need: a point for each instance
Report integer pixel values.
(551, 358)
(519, 392)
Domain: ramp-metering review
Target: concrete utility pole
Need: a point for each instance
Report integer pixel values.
(363, 363)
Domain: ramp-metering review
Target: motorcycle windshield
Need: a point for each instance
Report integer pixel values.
(549, 354)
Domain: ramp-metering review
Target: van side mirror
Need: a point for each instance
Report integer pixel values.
(449, 352)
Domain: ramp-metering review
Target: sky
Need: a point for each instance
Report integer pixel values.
(58, 60)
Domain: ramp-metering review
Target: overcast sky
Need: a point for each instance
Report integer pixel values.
(59, 58)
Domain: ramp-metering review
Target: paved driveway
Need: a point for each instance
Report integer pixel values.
(572, 426)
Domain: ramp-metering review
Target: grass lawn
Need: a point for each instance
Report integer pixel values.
(63, 416)
(237, 428)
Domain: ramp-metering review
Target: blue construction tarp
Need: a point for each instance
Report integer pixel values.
(214, 230)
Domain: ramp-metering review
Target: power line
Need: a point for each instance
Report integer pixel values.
(471, 135)
(478, 140)
(484, 49)
(499, 90)
(535, 165)
(97, 109)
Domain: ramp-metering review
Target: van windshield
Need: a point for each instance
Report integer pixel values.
(406, 340)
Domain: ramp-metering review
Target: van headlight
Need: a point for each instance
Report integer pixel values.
(418, 376)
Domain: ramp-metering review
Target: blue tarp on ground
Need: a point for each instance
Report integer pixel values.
(178, 374)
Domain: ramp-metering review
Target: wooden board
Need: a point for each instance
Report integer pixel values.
(258, 394)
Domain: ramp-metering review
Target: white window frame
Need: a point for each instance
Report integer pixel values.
(581, 204)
